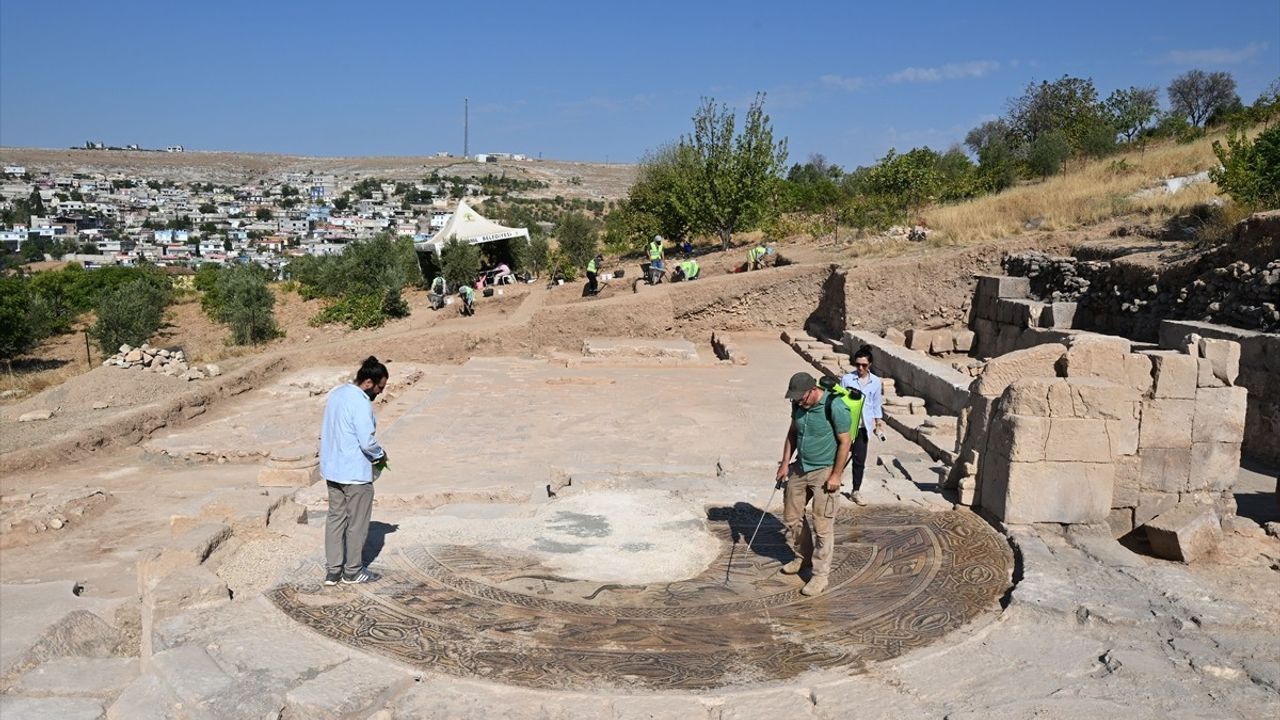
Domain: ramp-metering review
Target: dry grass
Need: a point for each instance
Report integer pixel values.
(1099, 191)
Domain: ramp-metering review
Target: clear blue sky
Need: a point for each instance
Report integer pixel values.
(575, 80)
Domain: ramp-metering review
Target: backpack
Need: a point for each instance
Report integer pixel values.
(851, 397)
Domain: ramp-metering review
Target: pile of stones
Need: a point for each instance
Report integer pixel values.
(1124, 299)
(162, 360)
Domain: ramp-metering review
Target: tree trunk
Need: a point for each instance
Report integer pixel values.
(725, 236)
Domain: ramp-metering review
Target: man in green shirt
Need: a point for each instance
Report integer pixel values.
(821, 449)
(468, 295)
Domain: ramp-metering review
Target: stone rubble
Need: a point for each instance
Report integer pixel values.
(172, 362)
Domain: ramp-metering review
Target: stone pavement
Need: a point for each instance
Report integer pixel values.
(476, 551)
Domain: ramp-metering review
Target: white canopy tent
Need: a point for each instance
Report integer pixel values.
(470, 227)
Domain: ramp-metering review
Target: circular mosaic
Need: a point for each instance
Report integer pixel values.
(901, 578)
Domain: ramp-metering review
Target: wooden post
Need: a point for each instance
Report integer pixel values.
(88, 359)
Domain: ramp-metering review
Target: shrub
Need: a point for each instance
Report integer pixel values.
(460, 263)
(532, 256)
(380, 267)
(129, 314)
(355, 311)
(1250, 171)
(1047, 154)
(18, 333)
(246, 305)
(578, 238)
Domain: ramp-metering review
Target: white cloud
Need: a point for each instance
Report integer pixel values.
(950, 71)
(1213, 56)
(843, 82)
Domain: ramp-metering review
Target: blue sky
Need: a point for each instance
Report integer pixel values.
(584, 81)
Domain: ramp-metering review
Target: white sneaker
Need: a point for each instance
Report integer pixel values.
(857, 498)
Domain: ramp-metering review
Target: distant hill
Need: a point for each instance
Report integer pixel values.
(568, 179)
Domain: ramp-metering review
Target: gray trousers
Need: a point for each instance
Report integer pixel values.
(347, 526)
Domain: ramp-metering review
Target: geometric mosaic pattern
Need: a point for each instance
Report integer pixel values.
(901, 579)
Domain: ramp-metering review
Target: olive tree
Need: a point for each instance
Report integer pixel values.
(1197, 94)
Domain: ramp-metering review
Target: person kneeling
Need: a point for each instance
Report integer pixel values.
(468, 295)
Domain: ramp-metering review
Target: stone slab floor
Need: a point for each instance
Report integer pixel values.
(1089, 629)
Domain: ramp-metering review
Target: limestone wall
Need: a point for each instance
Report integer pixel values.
(1259, 374)
(1004, 317)
(1089, 431)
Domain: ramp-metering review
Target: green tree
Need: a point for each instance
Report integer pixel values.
(1197, 94)
(1250, 170)
(996, 147)
(578, 238)
(531, 256)
(131, 314)
(263, 213)
(909, 180)
(1068, 106)
(1048, 153)
(652, 205)
(247, 305)
(459, 263)
(1132, 110)
(727, 182)
(208, 208)
(18, 333)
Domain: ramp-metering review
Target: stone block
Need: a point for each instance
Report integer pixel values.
(1006, 339)
(1166, 424)
(1123, 437)
(985, 332)
(191, 674)
(14, 707)
(1205, 377)
(1151, 504)
(1019, 438)
(1095, 397)
(964, 340)
(1127, 481)
(354, 688)
(1058, 315)
(1214, 466)
(1224, 356)
(178, 591)
(79, 676)
(1077, 440)
(1187, 532)
(1003, 286)
(942, 342)
(1019, 313)
(1039, 361)
(1093, 355)
(1058, 492)
(146, 699)
(1137, 372)
(894, 335)
(1165, 469)
(35, 416)
(1174, 374)
(189, 549)
(919, 340)
(1029, 397)
(1121, 521)
(1220, 414)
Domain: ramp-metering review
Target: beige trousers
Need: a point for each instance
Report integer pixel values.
(810, 537)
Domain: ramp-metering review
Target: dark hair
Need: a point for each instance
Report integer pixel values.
(371, 369)
(864, 351)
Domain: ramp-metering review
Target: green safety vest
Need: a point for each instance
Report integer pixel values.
(591, 266)
(755, 253)
(655, 250)
(468, 292)
(690, 269)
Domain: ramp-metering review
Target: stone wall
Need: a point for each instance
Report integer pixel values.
(1237, 283)
(1004, 317)
(1259, 373)
(1090, 431)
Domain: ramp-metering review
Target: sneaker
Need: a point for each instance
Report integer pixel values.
(816, 585)
(364, 576)
(857, 498)
(332, 578)
(792, 567)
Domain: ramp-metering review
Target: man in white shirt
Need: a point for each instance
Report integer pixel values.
(349, 453)
(871, 419)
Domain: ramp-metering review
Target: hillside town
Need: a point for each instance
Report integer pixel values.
(100, 219)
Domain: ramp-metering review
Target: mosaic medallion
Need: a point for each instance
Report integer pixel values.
(901, 579)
